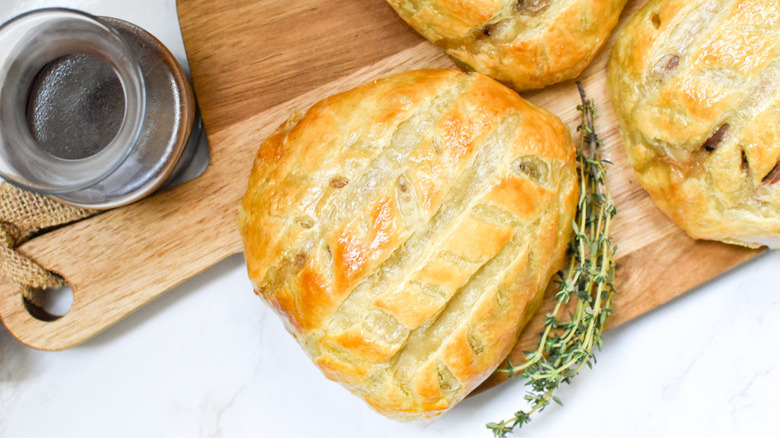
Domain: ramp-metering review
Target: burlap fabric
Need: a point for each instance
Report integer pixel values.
(24, 215)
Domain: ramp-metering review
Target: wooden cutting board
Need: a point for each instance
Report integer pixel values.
(255, 61)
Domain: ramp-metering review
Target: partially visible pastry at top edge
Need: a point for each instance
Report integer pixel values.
(695, 86)
(526, 44)
(405, 231)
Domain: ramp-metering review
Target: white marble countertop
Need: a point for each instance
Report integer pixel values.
(208, 359)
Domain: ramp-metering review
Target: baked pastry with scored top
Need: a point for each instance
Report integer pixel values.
(405, 230)
(525, 44)
(695, 87)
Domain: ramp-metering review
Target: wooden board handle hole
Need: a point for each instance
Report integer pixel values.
(52, 305)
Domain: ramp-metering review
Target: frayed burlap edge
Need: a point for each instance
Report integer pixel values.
(24, 215)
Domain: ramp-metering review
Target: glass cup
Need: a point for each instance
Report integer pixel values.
(156, 126)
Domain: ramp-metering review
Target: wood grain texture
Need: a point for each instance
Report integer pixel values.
(254, 62)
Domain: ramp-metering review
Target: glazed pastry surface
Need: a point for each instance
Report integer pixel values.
(405, 231)
(526, 44)
(695, 87)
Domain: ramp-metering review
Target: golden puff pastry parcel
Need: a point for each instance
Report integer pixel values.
(526, 44)
(405, 231)
(696, 88)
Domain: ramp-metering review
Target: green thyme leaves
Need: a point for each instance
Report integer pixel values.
(573, 328)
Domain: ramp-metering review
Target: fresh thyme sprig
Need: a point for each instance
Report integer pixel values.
(566, 346)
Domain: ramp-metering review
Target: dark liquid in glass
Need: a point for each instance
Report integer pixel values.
(75, 106)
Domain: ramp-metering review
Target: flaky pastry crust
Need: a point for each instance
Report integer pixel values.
(405, 231)
(525, 44)
(695, 87)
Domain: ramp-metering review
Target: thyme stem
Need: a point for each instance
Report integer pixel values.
(566, 346)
